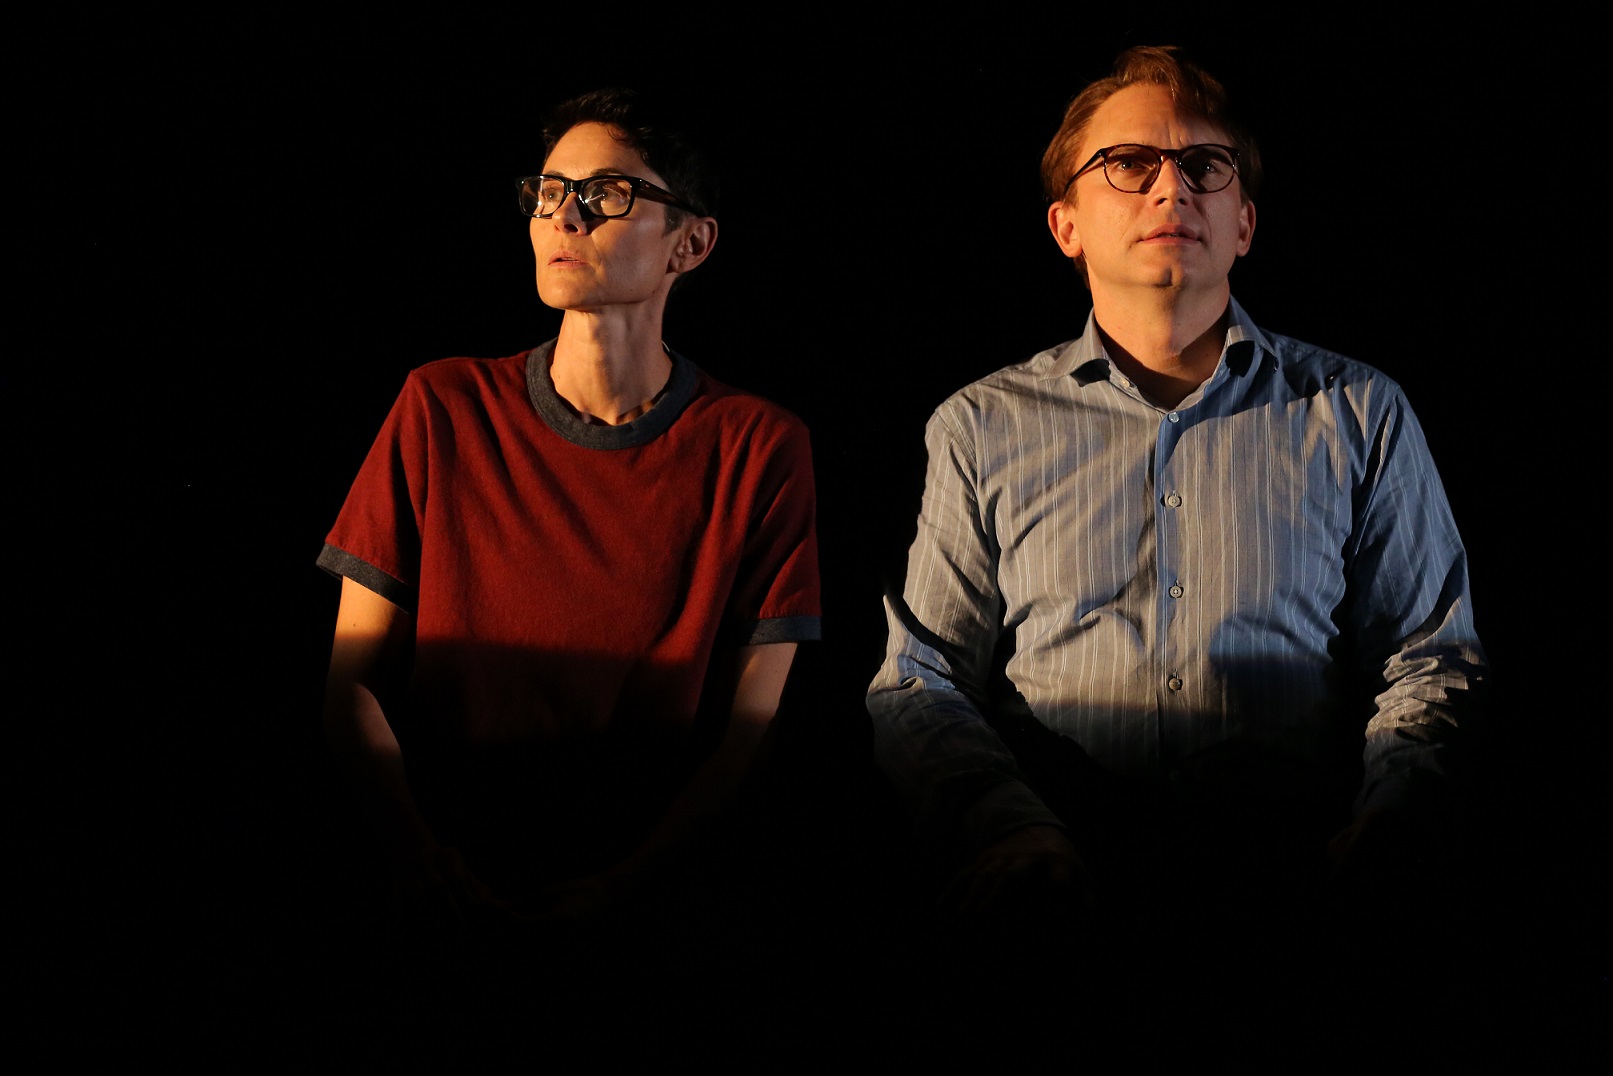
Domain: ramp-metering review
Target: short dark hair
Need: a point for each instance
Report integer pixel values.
(672, 149)
(1195, 91)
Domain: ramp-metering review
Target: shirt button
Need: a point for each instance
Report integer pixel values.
(1174, 417)
(1176, 590)
(1173, 500)
(1174, 683)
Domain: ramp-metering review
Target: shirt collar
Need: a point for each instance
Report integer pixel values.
(1084, 355)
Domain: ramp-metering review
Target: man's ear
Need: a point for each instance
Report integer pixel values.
(699, 237)
(1061, 222)
(1246, 228)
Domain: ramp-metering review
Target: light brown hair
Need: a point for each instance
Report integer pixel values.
(1196, 92)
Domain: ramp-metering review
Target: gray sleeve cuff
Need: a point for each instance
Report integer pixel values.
(786, 629)
(342, 564)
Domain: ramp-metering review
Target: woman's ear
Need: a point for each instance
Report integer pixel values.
(700, 236)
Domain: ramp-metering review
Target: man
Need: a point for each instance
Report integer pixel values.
(1167, 575)
(573, 579)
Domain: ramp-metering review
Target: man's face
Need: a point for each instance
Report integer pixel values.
(1167, 237)
(589, 263)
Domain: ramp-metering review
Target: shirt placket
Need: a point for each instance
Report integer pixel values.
(1172, 509)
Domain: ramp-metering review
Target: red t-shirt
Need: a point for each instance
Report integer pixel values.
(571, 583)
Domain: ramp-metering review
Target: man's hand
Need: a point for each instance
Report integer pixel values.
(575, 902)
(438, 894)
(1031, 869)
(1357, 854)
(581, 917)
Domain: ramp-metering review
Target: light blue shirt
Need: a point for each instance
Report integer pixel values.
(1273, 560)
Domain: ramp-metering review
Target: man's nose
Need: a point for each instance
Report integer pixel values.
(1168, 183)
(572, 215)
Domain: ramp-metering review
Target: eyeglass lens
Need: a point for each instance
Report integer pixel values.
(602, 196)
(1132, 168)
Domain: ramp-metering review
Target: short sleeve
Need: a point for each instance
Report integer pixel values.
(376, 538)
(777, 593)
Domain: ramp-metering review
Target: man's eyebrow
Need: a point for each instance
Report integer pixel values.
(589, 175)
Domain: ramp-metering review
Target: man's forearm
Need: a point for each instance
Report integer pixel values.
(759, 678)
(367, 751)
(712, 788)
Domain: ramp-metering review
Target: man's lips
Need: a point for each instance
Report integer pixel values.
(1173, 231)
(564, 257)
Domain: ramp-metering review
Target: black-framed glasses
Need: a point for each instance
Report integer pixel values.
(597, 196)
(1132, 167)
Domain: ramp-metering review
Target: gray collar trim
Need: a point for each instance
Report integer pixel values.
(647, 427)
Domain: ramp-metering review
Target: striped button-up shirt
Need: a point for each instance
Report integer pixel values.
(1273, 561)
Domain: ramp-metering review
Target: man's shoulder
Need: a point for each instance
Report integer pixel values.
(1303, 363)
(469, 388)
(461, 384)
(465, 370)
(1009, 382)
(731, 400)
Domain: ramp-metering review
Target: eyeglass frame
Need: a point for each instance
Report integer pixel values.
(1101, 158)
(637, 188)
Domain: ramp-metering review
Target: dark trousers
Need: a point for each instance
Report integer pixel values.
(1216, 933)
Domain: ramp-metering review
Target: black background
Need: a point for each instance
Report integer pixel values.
(238, 234)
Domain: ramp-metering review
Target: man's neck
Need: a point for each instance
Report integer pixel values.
(609, 371)
(1168, 343)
